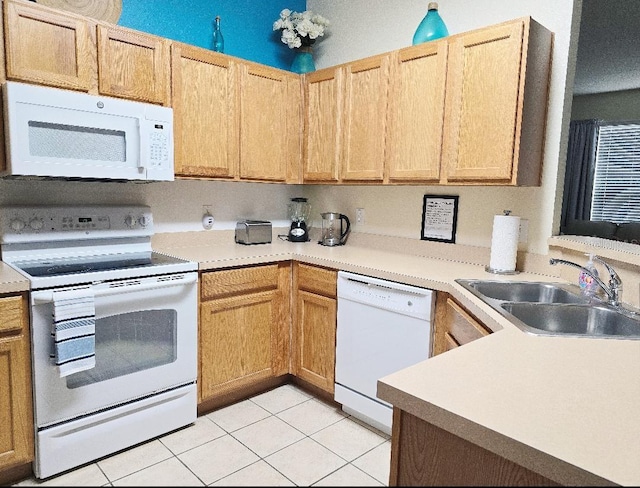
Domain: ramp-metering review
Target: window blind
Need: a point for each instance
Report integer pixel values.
(616, 185)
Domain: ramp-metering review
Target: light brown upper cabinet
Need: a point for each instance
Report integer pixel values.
(416, 112)
(48, 47)
(133, 65)
(496, 104)
(270, 123)
(323, 92)
(64, 50)
(205, 119)
(364, 114)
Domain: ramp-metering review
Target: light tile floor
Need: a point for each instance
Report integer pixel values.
(284, 437)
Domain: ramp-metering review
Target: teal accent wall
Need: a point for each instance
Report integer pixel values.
(247, 26)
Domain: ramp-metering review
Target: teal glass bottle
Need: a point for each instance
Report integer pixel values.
(218, 40)
(432, 26)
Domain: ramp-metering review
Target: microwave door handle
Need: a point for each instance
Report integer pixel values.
(140, 162)
(47, 296)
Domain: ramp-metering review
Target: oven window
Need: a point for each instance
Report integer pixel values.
(129, 343)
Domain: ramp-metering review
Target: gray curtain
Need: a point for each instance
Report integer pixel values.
(578, 180)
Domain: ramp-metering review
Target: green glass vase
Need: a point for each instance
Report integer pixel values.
(303, 61)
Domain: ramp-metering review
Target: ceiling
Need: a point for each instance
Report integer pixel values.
(608, 47)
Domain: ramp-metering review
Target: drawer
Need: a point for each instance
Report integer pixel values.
(12, 314)
(217, 284)
(320, 281)
(450, 342)
(463, 327)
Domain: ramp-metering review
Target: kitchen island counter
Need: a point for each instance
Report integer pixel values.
(565, 408)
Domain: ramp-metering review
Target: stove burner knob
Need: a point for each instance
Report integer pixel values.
(144, 220)
(130, 221)
(17, 225)
(36, 224)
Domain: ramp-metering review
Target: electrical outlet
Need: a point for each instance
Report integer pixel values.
(524, 231)
(360, 216)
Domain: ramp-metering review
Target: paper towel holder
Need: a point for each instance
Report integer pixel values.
(489, 269)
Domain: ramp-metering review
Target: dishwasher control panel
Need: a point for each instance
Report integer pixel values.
(388, 295)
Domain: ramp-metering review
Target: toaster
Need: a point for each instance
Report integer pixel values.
(253, 232)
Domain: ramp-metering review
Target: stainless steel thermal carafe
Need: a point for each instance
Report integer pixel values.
(334, 233)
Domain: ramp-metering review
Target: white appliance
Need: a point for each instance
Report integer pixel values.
(113, 330)
(383, 327)
(66, 134)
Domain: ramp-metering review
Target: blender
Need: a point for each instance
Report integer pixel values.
(299, 210)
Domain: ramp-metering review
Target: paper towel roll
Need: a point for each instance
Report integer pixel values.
(504, 244)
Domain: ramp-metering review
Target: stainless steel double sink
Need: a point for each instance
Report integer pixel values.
(555, 309)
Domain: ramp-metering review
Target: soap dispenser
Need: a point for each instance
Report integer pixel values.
(587, 284)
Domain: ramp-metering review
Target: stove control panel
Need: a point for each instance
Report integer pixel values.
(44, 223)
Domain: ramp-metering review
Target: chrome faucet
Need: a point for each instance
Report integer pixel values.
(613, 291)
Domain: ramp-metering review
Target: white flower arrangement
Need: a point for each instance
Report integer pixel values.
(300, 29)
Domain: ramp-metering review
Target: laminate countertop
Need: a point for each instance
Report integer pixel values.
(567, 408)
(11, 281)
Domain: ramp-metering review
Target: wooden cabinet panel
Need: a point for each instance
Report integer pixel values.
(463, 327)
(48, 47)
(314, 279)
(365, 107)
(316, 339)
(16, 411)
(482, 103)
(454, 325)
(245, 324)
(416, 112)
(270, 123)
(491, 120)
(224, 283)
(322, 130)
(425, 455)
(133, 65)
(237, 332)
(314, 325)
(204, 113)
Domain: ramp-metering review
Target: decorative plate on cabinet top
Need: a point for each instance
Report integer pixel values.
(105, 10)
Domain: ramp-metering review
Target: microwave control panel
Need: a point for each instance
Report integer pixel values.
(159, 145)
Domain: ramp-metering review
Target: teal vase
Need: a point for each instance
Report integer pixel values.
(432, 26)
(303, 61)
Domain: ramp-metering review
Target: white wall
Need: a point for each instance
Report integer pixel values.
(361, 28)
(176, 205)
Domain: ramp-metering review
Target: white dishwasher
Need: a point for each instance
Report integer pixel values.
(383, 327)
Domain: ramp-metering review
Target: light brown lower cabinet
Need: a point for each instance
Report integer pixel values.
(314, 325)
(425, 455)
(454, 326)
(16, 410)
(244, 329)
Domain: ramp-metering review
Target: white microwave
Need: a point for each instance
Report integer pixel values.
(58, 133)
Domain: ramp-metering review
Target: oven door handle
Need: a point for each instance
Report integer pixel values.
(126, 286)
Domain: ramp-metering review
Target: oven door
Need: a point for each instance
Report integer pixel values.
(145, 343)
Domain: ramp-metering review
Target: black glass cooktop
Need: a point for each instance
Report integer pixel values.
(89, 264)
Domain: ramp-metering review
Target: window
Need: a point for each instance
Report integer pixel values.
(616, 186)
